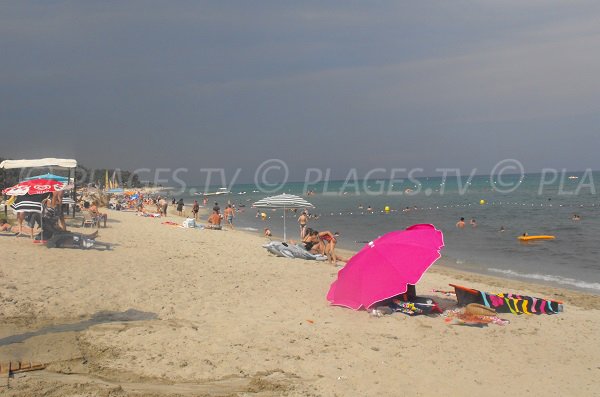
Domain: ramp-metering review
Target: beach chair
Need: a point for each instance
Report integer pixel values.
(89, 220)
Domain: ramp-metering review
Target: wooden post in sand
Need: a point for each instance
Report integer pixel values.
(12, 367)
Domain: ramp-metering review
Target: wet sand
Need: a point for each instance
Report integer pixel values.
(233, 320)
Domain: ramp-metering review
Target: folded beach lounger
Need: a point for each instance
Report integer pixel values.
(507, 302)
(292, 251)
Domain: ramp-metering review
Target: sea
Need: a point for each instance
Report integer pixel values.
(502, 210)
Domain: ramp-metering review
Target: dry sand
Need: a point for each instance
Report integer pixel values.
(231, 320)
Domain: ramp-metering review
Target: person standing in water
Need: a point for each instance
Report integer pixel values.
(302, 220)
(461, 223)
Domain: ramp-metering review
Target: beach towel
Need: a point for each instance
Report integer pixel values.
(507, 302)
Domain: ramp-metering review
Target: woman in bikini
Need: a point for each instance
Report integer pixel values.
(302, 220)
(329, 240)
(312, 242)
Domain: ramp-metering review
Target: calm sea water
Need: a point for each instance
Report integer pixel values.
(571, 260)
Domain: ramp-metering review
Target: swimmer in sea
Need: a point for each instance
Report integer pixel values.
(461, 223)
(501, 229)
(473, 222)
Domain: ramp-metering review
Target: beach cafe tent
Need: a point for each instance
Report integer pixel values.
(285, 201)
(386, 266)
(31, 194)
(45, 162)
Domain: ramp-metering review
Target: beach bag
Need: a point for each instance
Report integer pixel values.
(189, 222)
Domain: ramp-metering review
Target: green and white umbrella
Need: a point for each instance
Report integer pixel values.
(285, 201)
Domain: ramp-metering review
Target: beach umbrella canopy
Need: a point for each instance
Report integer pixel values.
(35, 186)
(384, 267)
(285, 201)
(50, 177)
(47, 162)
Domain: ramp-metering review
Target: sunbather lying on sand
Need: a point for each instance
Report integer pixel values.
(4, 226)
(75, 240)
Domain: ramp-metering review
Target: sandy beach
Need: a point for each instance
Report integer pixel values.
(213, 314)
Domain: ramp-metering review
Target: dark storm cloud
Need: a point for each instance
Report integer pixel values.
(318, 84)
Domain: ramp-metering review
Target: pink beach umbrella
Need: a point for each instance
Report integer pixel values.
(385, 267)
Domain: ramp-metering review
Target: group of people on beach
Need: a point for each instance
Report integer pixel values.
(49, 227)
(323, 242)
(53, 202)
(215, 218)
(162, 204)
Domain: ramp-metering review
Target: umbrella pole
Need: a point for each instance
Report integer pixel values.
(284, 237)
(74, 189)
(41, 224)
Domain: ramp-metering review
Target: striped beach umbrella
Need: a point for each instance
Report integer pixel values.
(29, 203)
(284, 201)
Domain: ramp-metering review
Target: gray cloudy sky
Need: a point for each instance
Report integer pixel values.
(336, 84)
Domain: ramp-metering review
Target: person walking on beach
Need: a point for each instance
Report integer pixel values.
(180, 207)
(195, 209)
(163, 205)
(302, 220)
(229, 213)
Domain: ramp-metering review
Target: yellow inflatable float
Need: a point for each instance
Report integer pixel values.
(531, 238)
